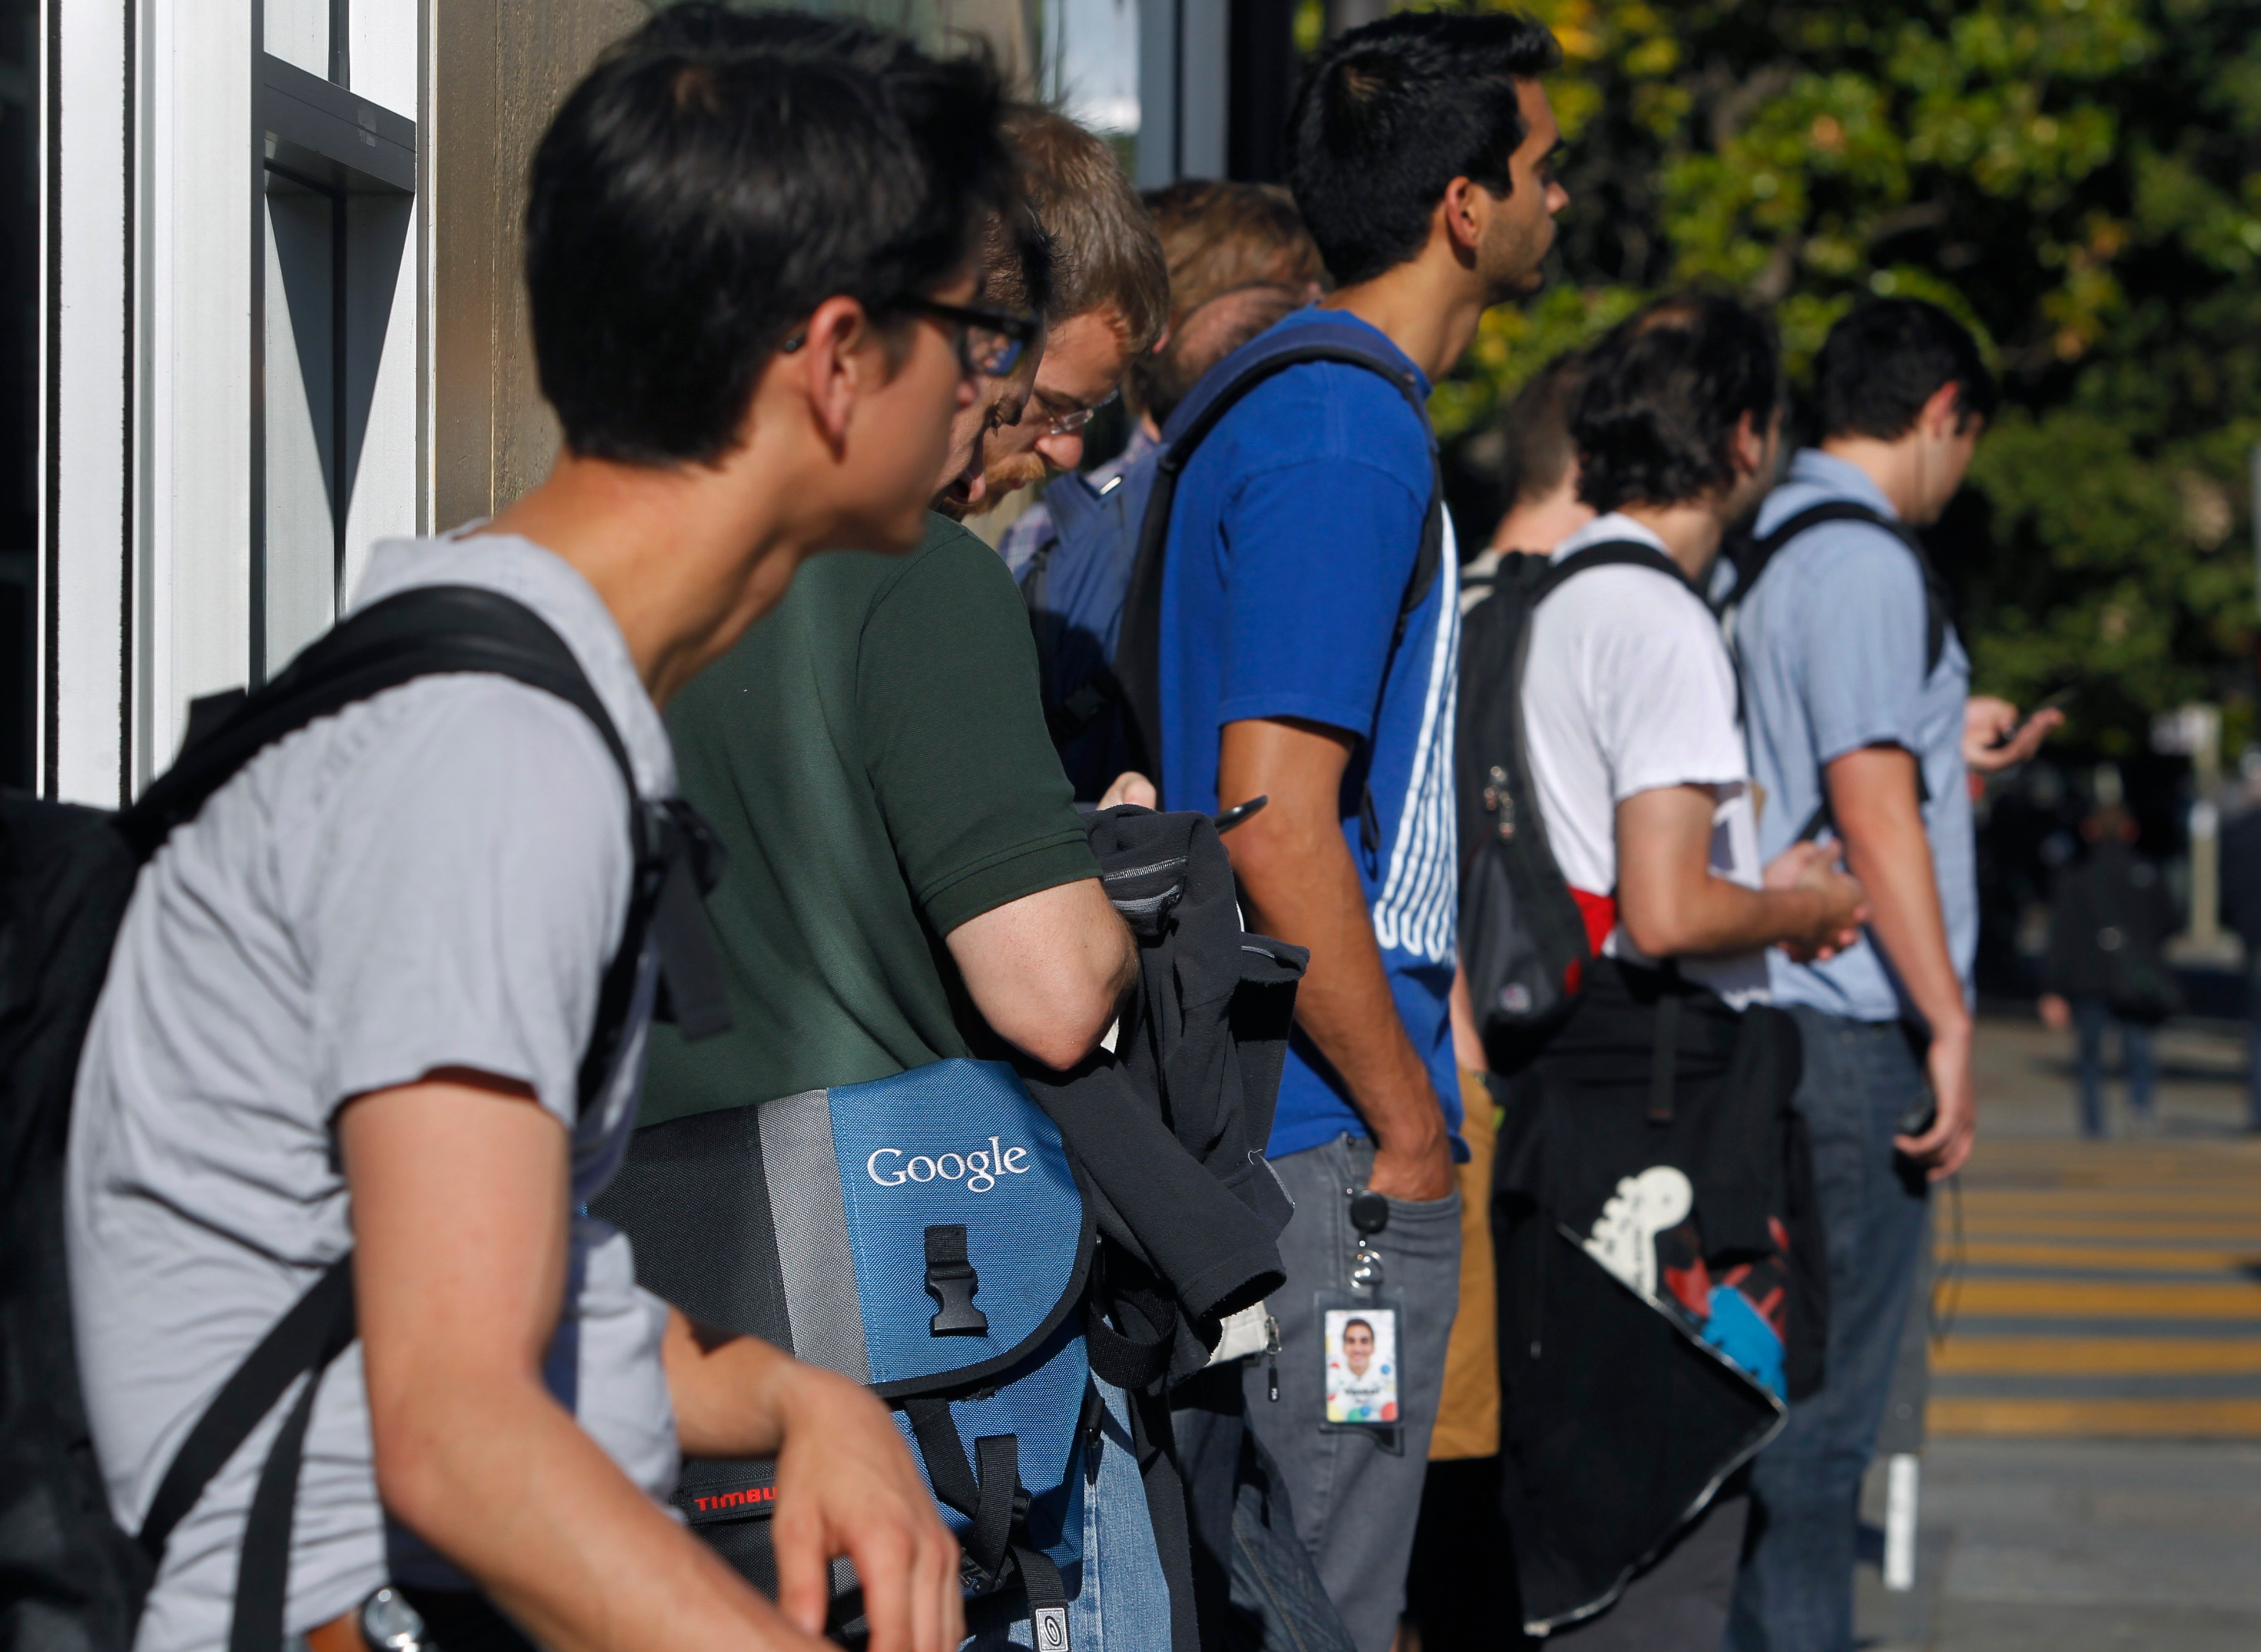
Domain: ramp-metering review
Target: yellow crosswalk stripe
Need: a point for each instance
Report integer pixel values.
(2219, 1230)
(2149, 1418)
(2097, 1356)
(2112, 1299)
(2136, 1235)
(2126, 1258)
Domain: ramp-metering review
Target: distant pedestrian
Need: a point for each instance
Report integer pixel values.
(2241, 911)
(2108, 920)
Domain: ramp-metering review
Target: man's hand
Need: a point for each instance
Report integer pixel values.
(1131, 786)
(1942, 1149)
(1415, 1170)
(1987, 720)
(846, 1486)
(1820, 867)
(2056, 1014)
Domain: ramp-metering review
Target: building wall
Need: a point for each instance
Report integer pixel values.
(498, 70)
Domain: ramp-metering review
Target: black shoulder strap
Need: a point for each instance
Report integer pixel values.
(1138, 652)
(1938, 608)
(1610, 553)
(418, 633)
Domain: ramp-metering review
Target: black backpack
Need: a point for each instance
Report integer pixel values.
(75, 1582)
(1523, 940)
(1133, 689)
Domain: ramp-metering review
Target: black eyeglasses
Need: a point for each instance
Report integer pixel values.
(989, 341)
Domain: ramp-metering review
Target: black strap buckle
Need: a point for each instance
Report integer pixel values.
(951, 1281)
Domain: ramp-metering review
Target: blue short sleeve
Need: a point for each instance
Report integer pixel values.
(1318, 556)
(1863, 647)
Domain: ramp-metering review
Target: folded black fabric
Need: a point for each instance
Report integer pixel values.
(1168, 1128)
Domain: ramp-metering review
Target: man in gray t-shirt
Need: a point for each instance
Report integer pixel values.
(349, 999)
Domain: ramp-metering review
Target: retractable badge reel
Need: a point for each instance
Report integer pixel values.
(1359, 1329)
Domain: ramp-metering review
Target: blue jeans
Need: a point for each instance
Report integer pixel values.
(2253, 1038)
(1118, 1600)
(2090, 1018)
(1795, 1592)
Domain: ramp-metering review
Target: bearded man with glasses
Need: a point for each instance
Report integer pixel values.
(1110, 300)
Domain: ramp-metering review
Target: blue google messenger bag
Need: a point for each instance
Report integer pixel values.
(924, 1235)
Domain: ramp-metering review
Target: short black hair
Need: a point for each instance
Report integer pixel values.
(1888, 356)
(713, 180)
(1655, 422)
(1389, 114)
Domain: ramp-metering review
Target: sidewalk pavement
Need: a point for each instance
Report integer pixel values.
(2093, 1476)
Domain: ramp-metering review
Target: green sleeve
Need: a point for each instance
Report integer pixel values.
(951, 721)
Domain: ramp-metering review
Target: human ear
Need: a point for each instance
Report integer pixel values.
(1751, 444)
(1941, 417)
(833, 364)
(1465, 211)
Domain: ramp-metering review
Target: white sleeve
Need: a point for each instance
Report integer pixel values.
(1667, 717)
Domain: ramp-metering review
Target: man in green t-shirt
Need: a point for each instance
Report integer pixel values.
(907, 879)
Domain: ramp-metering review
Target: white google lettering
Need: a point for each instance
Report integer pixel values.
(978, 1169)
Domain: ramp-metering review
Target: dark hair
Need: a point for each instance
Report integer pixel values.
(1655, 422)
(1239, 258)
(1103, 247)
(713, 180)
(1887, 357)
(1536, 451)
(1389, 114)
(1016, 262)
(1347, 1324)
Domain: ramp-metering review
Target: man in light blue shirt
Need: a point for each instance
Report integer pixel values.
(1862, 727)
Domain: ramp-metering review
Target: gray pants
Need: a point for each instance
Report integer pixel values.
(1357, 1494)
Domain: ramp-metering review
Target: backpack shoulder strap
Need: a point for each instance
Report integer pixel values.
(1938, 610)
(418, 633)
(1225, 387)
(1609, 553)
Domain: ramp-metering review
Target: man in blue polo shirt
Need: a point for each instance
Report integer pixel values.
(1419, 150)
(1856, 693)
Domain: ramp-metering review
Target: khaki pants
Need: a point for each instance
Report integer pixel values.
(1468, 1416)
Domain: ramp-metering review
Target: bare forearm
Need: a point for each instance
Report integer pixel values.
(497, 1477)
(1716, 915)
(1303, 888)
(1875, 805)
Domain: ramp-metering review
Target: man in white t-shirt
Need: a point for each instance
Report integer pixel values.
(350, 1000)
(1638, 759)
(1629, 698)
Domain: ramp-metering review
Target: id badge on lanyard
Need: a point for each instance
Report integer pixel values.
(1364, 1379)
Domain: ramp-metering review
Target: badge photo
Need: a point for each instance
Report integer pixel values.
(1362, 1374)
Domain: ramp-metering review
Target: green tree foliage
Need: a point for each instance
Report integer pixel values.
(2079, 180)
